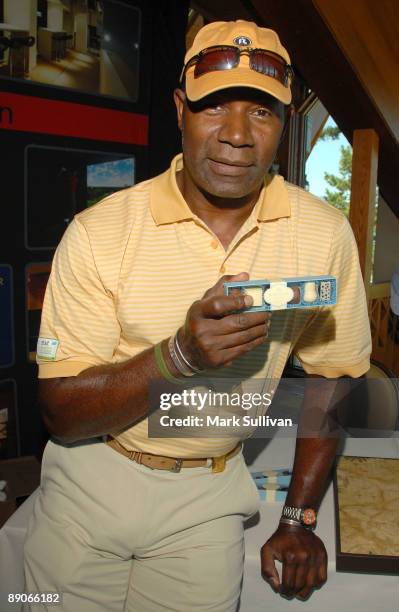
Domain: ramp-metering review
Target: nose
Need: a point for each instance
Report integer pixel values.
(235, 129)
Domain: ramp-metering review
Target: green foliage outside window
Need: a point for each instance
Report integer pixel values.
(339, 194)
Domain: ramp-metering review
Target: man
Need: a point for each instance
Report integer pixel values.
(125, 521)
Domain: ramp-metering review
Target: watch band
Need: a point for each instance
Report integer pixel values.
(290, 512)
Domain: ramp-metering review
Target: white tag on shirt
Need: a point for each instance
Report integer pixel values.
(47, 348)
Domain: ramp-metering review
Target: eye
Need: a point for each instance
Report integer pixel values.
(262, 112)
(214, 108)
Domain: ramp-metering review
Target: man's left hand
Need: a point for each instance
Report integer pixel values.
(304, 560)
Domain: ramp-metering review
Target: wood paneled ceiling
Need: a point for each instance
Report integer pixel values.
(367, 32)
(348, 54)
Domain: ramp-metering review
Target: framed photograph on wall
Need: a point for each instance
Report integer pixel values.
(91, 47)
(61, 182)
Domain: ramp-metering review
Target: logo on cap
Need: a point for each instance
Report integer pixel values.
(242, 41)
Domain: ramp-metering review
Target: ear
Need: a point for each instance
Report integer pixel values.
(179, 97)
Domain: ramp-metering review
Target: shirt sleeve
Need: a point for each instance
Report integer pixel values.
(337, 340)
(79, 327)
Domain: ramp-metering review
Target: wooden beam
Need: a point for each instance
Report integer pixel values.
(363, 196)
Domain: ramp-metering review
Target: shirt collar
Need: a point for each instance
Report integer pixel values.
(168, 205)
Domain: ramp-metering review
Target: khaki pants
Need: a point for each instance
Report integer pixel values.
(112, 535)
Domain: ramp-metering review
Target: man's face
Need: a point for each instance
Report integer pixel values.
(230, 139)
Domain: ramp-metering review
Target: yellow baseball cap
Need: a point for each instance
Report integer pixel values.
(241, 34)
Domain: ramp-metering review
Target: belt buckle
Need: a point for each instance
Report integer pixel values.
(177, 466)
(218, 464)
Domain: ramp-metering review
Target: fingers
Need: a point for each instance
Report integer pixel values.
(304, 560)
(243, 337)
(301, 576)
(306, 588)
(218, 357)
(218, 329)
(299, 579)
(316, 577)
(218, 342)
(287, 587)
(321, 567)
(269, 570)
(244, 321)
(218, 288)
(225, 307)
(221, 305)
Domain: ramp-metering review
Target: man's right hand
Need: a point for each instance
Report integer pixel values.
(107, 398)
(214, 333)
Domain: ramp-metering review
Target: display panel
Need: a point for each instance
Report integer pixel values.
(6, 317)
(9, 442)
(61, 182)
(36, 281)
(85, 45)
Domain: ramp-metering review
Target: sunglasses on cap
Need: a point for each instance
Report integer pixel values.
(226, 57)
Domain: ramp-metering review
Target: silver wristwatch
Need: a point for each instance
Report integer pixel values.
(307, 517)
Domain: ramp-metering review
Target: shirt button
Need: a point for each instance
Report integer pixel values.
(222, 269)
(214, 244)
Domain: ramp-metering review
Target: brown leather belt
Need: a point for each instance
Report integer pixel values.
(159, 462)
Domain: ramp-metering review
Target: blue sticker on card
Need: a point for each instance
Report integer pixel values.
(6, 317)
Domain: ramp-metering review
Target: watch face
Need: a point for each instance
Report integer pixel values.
(308, 516)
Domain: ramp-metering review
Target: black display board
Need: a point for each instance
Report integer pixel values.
(55, 139)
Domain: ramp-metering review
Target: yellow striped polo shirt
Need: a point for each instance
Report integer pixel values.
(128, 269)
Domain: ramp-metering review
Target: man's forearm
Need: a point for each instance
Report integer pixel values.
(317, 441)
(101, 399)
(313, 461)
